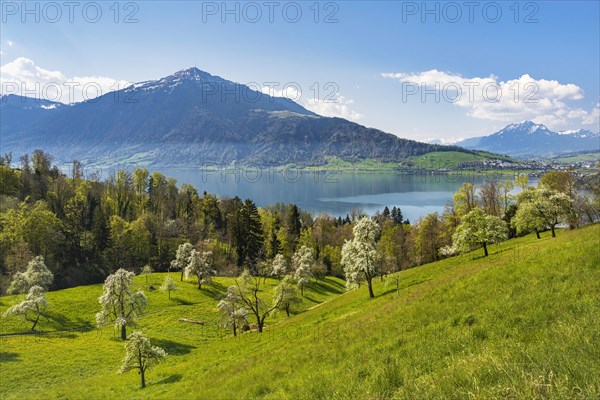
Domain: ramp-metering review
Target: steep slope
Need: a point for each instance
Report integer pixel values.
(528, 139)
(192, 117)
(18, 113)
(521, 323)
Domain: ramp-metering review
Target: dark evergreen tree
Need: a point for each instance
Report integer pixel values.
(235, 229)
(386, 213)
(100, 230)
(275, 246)
(252, 234)
(293, 224)
(397, 216)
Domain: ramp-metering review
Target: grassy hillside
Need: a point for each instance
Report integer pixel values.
(367, 165)
(579, 157)
(450, 159)
(436, 159)
(521, 323)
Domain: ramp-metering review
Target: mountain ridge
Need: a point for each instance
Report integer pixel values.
(192, 118)
(528, 139)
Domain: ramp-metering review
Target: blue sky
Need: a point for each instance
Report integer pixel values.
(376, 54)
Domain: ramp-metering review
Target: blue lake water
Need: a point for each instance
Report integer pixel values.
(334, 193)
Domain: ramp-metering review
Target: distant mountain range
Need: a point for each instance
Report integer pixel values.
(22, 113)
(530, 140)
(191, 118)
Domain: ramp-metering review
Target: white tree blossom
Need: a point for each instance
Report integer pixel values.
(359, 255)
(249, 293)
(141, 355)
(233, 313)
(542, 207)
(264, 269)
(31, 308)
(448, 251)
(527, 219)
(302, 261)
(200, 265)
(119, 304)
(279, 266)
(286, 294)
(169, 285)
(479, 229)
(351, 265)
(147, 271)
(36, 274)
(182, 258)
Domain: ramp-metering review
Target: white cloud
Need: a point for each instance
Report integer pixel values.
(441, 140)
(339, 107)
(488, 98)
(333, 105)
(23, 77)
(592, 117)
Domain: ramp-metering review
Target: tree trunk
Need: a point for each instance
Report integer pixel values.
(199, 284)
(302, 290)
(260, 327)
(35, 322)
(142, 374)
(370, 284)
(234, 330)
(537, 233)
(287, 310)
(124, 332)
(485, 251)
(553, 233)
(181, 274)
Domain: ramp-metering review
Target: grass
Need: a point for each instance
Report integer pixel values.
(451, 159)
(521, 323)
(579, 157)
(433, 160)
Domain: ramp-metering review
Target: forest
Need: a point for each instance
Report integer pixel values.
(86, 228)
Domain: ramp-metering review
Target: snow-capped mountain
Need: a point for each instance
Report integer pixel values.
(530, 140)
(579, 133)
(193, 117)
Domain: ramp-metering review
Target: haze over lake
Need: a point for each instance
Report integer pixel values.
(334, 193)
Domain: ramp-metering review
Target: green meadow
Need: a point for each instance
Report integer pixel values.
(451, 159)
(522, 323)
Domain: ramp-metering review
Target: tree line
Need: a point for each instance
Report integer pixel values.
(87, 228)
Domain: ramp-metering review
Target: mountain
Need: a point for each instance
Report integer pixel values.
(18, 112)
(434, 141)
(578, 133)
(193, 117)
(528, 139)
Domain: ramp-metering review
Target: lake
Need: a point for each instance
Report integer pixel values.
(334, 193)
